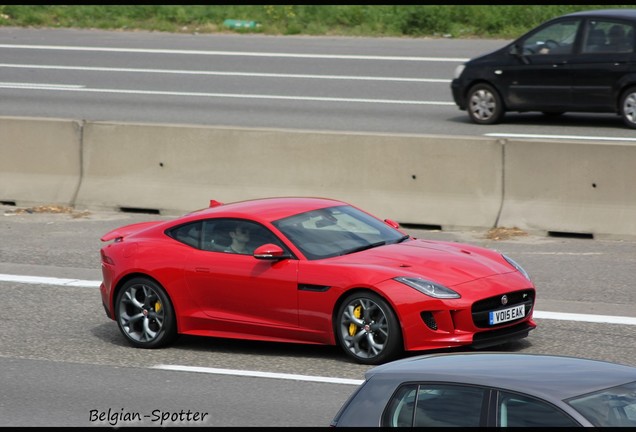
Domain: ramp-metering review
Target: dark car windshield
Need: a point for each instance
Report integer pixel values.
(611, 407)
(335, 231)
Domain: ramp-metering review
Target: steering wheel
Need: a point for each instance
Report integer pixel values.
(551, 44)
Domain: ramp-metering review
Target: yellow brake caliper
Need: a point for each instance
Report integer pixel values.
(357, 312)
(158, 306)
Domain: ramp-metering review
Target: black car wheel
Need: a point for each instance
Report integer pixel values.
(628, 107)
(144, 314)
(484, 104)
(368, 330)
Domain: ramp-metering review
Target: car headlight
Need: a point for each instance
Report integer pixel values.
(427, 287)
(458, 71)
(517, 266)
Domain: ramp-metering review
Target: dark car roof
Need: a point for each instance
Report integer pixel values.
(607, 13)
(549, 376)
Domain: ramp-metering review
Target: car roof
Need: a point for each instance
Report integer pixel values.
(270, 209)
(547, 376)
(607, 13)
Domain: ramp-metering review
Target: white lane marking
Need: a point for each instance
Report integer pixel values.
(226, 95)
(563, 253)
(258, 374)
(40, 85)
(232, 53)
(217, 73)
(575, 137)
(607, 319)
(49, 281)
(537, 314)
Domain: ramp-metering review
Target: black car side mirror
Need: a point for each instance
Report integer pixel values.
(517, 50)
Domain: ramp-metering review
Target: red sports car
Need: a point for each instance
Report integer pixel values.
(309, 270)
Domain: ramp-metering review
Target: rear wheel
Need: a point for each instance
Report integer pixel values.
(144, 314)
(627, 107)
(484, 104)
(367, 329)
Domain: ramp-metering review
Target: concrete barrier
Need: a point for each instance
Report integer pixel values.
(570, 188)
(449, 182)
(40, 161)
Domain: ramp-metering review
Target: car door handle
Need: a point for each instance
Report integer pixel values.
(202, 270)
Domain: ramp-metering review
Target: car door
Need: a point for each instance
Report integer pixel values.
(605, 57)
(542, 79)
(240, 292)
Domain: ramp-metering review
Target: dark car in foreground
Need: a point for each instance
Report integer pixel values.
(309, 270)
(493, 389)
(580, 62)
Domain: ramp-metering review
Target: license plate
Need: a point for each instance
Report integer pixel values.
(513, 313)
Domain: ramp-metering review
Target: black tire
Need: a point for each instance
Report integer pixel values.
(484, 104)
(144, 314)
(627, 107)
(367, 329)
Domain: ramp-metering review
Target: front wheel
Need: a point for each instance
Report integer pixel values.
(484, 104)
(627, 107)
(144, 314)
(368, 330)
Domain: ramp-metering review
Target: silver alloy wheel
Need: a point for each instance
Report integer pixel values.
(482, 104)
(364, 328)
(629, 108)
(141, 313)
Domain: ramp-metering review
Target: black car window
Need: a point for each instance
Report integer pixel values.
(556, 38)
(214, 234)
(217, 237)
(435, 405)
(610, 407)
(189, 234)
(514, 410)
(608, 37)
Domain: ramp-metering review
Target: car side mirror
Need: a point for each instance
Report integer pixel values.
(515, 50)
(270, 251)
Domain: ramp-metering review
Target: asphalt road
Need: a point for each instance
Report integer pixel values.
(61, 358)
(383, 85)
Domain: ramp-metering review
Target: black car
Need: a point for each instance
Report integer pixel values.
(580, 62)
(493, 389)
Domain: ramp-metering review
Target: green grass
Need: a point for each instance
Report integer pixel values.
(483, 21)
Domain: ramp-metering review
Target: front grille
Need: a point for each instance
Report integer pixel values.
(481, 309)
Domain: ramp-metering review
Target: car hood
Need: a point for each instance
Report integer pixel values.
(442, 262)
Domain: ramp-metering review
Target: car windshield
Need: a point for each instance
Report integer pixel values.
(335, 231)
(615, 406)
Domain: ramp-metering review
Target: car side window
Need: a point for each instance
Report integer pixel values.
(608, 37)
(217, 235)
(189, 234)
(435, 405)
(514, 410)
(557, 38)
